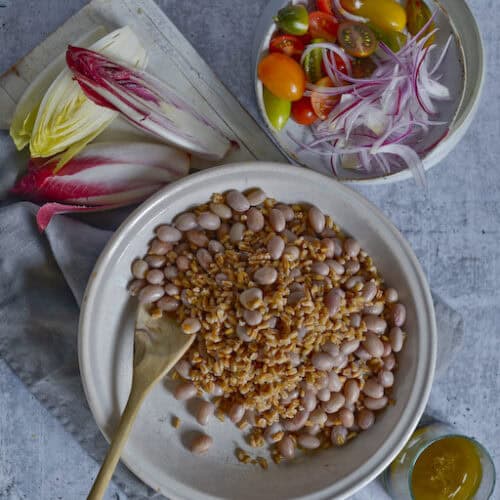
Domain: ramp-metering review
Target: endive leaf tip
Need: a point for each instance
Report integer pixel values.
(66, 116)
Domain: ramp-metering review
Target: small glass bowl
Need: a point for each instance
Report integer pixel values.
(397, 477)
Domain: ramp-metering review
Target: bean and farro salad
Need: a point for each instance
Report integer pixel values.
(295, 330)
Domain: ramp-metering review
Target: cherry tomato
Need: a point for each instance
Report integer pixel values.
(418, 14)
(313, 63)
(357, 39)
(338, 61)
(363, 68)
(287, 44)
(387, 14)
(282, 76)
(321, 103)
(323, 25)
(303, 112)
(293, 19)
(393, 39)
(277, 110)
(305, 39)
(325, 6)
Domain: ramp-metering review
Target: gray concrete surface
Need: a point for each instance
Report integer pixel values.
(454, 229)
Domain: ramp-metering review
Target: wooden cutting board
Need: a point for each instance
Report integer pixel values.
(171, 58)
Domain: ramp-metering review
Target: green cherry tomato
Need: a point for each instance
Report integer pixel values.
(293, 19)
(393, 39)
(313, 63)
(277, 110)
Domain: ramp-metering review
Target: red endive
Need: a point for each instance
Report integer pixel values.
(102, 177)
(148, 103)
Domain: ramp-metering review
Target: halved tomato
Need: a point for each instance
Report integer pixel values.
(323, 104)
(325, 6)
(289, 45)
(322, 25)
(357, 39)
(363, 68)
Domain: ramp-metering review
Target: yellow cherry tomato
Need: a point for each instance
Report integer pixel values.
(282, 76)
(388, 14)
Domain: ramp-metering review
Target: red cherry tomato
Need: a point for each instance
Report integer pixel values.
(305, 39)
(303, 112)
(289, 45)
(323, 25)
(323, 104)
(339, 62)
(363, 68)
(325, 6)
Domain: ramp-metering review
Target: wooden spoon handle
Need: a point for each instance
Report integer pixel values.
(113, 456)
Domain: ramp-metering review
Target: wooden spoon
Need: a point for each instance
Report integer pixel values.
(158, 344)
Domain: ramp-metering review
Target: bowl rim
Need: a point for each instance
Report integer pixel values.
(458, 127)
(418, 398)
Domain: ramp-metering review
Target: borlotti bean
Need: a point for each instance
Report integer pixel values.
(205, 412)
(186, 221)
(201, 444)
(296, 335)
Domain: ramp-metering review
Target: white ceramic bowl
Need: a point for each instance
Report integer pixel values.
(463, 73)
(156, 452)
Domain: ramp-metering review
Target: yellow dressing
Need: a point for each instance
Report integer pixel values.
(450, 468)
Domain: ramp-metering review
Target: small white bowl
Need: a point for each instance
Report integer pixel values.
(156, 452)
(463, 70)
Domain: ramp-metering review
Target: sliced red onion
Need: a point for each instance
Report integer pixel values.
(380, 119)
(410, 157)
(326, 46)
(441, 56)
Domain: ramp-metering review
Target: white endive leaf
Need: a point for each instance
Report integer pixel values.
(26, 110)
(66, 120)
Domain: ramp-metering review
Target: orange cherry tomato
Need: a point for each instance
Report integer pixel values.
(325, 6)
(357, 39)
(323, 104)
(303, 112)
(282, 76)
(289, 45)
(322, 25)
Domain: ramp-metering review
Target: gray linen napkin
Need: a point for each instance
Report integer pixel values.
(42, 281)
